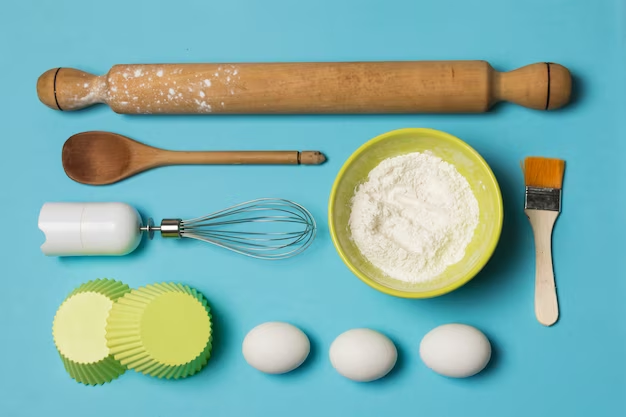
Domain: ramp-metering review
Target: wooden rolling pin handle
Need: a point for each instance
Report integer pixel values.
(545, 86)
(348, 87)
(68, 89)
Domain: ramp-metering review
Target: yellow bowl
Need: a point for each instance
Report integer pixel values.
(452, 150)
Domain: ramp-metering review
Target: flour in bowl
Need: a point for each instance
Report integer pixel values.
(413, 217)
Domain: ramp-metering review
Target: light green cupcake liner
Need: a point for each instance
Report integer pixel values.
(163, 330)
(78, 332)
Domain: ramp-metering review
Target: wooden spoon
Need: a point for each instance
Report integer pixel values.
(99, 158)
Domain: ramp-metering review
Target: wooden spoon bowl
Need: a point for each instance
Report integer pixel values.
(100, 157)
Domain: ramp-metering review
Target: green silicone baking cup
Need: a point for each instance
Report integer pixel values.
(79, 329)
(163, 330)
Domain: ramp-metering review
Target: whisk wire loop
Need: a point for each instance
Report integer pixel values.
(262, 239)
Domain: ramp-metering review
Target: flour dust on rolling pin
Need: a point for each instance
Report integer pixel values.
(147, 89)
(315, 87)
(134, 89)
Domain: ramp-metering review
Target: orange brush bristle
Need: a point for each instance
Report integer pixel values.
(544, 172)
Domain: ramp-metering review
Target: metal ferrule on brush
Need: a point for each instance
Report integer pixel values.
(537, 198)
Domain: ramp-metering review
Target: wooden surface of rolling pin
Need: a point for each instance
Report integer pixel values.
(348, 87)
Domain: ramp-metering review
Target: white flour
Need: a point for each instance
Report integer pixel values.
(413, 217)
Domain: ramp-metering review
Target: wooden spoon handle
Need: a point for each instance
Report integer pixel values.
(240, 158)
(546, 302)
(326, 87)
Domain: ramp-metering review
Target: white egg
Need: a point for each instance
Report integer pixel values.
(363, 355)
(455, 350)
(275, 347)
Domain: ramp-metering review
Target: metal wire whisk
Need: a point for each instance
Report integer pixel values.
(265, 228)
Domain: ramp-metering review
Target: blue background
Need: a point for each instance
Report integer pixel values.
(576, 368)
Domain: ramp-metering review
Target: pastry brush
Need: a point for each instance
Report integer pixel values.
(542, 204)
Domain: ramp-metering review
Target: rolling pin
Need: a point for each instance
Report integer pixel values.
(324, 87)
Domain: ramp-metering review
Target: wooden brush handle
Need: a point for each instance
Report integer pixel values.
(240, 158)
(327, 87)
(546, 303)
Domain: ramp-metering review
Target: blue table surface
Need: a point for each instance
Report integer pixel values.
(576, 368)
